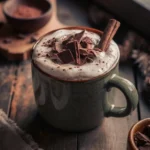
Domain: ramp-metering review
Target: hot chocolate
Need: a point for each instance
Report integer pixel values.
(74, 55)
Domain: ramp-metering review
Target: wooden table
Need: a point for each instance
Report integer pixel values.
(17, 100)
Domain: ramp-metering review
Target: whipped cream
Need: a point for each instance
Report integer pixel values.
(100, 65)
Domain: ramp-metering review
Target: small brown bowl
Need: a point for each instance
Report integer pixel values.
(27, 25)
(139, 126)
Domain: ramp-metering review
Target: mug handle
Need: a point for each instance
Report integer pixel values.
(130, 93)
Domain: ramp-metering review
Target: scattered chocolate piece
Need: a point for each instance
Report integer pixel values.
(32, 39)
(141, 139)
(49, 43)
(7, 41)
(66, 56)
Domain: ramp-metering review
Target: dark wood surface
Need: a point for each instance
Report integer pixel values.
(16, 87)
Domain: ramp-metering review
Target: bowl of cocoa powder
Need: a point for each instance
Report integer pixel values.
(139, 136)
(27, 15)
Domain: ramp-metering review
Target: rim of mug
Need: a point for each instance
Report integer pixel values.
(70, 28)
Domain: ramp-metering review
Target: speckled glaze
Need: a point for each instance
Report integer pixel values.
(81, 105)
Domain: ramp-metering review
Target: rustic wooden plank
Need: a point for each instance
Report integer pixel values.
(7, 79)
(112, 135)
(50, 138)
(23, 107)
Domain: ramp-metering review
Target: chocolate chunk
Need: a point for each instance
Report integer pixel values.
(141, 139)
(67, 39)
(73, 47)
(86, 43)
(79, 36)
(147, 131)
(66, 56)
(21, 36)
(32, 39)
(7, 41)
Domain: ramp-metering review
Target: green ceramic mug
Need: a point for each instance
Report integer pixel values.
(81, 105)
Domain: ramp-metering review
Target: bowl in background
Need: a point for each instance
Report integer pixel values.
(27, 25)
(139, 126)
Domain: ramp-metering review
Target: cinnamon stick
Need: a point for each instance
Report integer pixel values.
(108, 34)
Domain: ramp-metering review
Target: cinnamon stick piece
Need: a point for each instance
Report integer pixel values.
(108, 34)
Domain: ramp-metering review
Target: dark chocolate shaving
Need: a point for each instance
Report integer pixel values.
(66, 56)
(73, 49)
(141, 139)
(79, 36)
(86, 43)
(67, 39)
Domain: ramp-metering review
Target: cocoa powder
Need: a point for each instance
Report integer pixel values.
(25, 11)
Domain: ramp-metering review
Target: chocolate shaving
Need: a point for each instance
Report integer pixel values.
(141, 139)
(73, 47)
(66, 56)
(79, 36)
(67, 39)
(86, 43)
